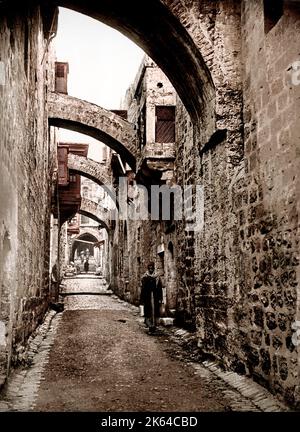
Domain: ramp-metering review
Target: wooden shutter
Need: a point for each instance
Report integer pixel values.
(62, 158)
(60, 70)
(61, 77)
(165, 124)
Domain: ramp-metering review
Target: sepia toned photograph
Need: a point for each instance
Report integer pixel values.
(149, 210)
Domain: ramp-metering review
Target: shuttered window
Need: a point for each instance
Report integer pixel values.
(61, 77)
(165, 124)
(60, 70)
(62, 157)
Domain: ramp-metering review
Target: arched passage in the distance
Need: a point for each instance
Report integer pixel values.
(94, 171)
(78, 243)
(153, 27)
(96, 212)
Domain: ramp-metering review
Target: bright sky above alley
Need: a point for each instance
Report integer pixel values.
(102, 62)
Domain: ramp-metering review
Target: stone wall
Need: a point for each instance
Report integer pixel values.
(237, 277)
(268, 201)
(25, 166)
(187, 156)
(210, 155)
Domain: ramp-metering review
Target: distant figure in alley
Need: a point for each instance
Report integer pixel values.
(86, 265)
(151, 297)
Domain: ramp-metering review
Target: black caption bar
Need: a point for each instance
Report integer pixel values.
(136, 421)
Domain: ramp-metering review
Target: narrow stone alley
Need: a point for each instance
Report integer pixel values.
(149, 175)
(97, 356)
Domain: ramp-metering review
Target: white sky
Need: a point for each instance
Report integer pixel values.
(102, 64)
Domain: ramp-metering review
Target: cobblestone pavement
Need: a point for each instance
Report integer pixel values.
(97, 356)
(85, 292)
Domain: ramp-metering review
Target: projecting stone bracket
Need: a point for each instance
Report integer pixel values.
(156, 162)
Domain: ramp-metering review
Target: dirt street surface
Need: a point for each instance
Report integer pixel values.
(104, 360)
(97, 356)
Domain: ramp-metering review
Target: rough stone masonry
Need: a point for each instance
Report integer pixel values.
(230, 68)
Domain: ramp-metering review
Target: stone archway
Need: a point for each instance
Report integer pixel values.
(172, 47)
(87, 118)
(94, 171)
(96, 212)
(77, 245)
(89, 168)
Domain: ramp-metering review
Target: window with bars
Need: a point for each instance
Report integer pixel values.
(165, 124)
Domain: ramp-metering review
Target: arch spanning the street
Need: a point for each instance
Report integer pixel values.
(158, 31)
(96, 212)
(89, 168)
(87, 118)
(89, 231)
(94, 171)
(86, 234)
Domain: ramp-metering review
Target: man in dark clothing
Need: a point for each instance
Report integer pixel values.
(86, 265)
(151, 297)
